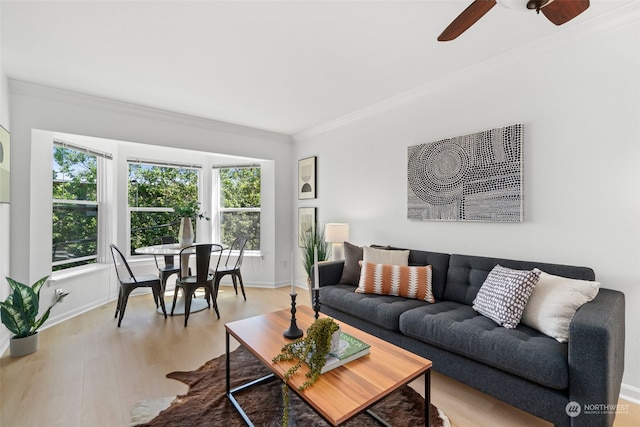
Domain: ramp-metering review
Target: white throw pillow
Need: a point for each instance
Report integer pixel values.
(384, 256)
(553, 303)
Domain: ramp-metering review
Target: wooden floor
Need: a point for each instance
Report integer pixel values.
(88, 372)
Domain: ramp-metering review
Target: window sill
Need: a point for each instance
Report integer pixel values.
(76, 272)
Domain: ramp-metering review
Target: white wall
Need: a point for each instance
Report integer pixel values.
(580, 106)
(4, 208)
(38, 113)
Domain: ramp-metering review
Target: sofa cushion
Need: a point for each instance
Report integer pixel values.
(381, 310)
(351, 269)
(439, 263)
(398, 280)
(504, 294)
(353, 256)
(554, 302)
(385, 256)
(460, 329)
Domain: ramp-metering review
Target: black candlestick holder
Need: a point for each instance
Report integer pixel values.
(293, 332)
(316, 301)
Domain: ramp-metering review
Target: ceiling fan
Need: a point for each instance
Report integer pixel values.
(557, 11)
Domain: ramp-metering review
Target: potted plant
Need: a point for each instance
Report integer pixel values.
(188, 212)
(313, 238)
(312, 350)
(19, 311)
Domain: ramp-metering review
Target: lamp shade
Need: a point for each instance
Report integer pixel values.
(335, 232)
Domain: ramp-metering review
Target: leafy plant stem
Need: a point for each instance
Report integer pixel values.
(311, 350)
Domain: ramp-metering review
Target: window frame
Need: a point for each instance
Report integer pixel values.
(157, 209)
(101, 216)
(218, 210)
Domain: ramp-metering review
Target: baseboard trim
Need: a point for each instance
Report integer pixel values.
(630, 393)
(54, 320)
(4, 345)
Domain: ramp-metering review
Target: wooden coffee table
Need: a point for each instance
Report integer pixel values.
(342, 393)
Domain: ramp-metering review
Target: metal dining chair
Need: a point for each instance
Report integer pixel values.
(233, 268)
(129, 282)
(169, 268)
(204, 277)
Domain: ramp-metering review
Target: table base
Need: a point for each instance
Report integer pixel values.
(197, 304)
(272, 377)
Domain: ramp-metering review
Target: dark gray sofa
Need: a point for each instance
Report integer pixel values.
(521, 366)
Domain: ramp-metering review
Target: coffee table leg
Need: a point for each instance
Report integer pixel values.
(234, 402)
(427, 398)
(228, 369)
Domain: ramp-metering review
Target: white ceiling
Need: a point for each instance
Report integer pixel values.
(283, 66)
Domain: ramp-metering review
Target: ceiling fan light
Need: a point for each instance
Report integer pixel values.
(511, 4)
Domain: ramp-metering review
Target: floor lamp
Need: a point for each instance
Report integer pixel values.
(336, 234)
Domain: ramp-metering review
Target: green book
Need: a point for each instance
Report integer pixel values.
(351, 348)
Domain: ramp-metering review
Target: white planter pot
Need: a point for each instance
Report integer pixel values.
(186, 235)
(22, 346)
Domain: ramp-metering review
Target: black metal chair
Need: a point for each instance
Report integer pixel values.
(233, 269)
(169, 268)
(204, 278)
(129, 282)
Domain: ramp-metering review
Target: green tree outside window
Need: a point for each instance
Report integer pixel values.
(75, 208)
(154, 191)
(240, 205)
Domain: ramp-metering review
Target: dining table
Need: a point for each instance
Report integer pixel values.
(197, 304)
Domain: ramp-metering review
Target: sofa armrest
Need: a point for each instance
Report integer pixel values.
(329, 273)
(596, 357)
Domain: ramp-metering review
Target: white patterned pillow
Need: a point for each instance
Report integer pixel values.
(504, 294)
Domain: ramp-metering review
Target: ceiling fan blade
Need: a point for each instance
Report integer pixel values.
(466, 19)
(561, 11)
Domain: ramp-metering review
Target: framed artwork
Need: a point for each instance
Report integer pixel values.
(476, 177)
(5, 166)
(306, 222)
(307, 178)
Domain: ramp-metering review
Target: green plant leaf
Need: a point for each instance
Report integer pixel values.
(21, 315)
(38, 285)
(41, 321)
(25, 300)
(19, 310)
(10, 318)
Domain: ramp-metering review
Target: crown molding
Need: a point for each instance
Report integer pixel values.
(620, 17)
(21, 87)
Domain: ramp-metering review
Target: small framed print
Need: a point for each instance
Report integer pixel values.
(5, 166)
(306, 223)
(307, 178)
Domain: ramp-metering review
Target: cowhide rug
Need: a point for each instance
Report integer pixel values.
(207, 404)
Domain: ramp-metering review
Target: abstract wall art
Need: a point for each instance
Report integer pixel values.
(476, 177)
(307, 178)
(306, 223)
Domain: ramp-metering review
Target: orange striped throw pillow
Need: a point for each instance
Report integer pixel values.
(399, 280)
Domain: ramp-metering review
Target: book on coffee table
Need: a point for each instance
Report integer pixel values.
(350, 348)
